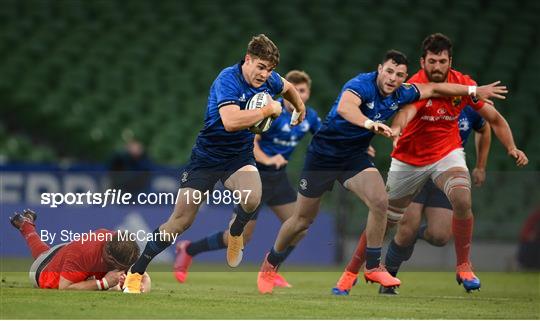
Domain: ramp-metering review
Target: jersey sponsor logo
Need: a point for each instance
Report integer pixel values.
(287, 143)
(429, 103)
(303, 184)
(370, 105)
(441, 111)
(437, 118)
(242, 98)
(456, 101)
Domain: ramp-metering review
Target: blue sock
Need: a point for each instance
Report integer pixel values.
(422, 232)
(373, 257)
(288, 252)
(276, 258)
(396, 255)
(210, 243)
(153, 248)
(242, 218)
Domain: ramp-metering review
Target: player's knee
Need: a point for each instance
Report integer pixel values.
(379, 204)
(440, 240)
(406, 235)
(252, 201)
(302, 224)
(461, 200)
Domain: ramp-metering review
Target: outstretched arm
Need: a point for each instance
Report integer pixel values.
(493, 90)
(482, 142)
(504, 133)
(403, 117)
(349, 109)
(290, 94)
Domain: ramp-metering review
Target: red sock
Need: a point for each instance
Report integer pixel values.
(359, 256)
(36, 245)
(462, 229)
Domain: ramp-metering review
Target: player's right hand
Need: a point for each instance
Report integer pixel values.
(113, 277)
(493, 90)
(519, 156)
(277, 160)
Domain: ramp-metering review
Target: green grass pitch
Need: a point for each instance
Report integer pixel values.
(233, 295)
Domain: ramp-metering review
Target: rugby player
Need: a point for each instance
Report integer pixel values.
(338, 152)
(431, 202)
(224, 150)
(272, 150)
(96, 264)
(430, 147)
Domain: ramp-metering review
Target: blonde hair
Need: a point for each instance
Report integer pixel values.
(297, 77)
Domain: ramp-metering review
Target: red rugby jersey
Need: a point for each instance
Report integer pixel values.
(433, 133)
(76, 262)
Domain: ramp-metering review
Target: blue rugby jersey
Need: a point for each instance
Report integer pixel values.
(468, 120)
(281, 138)
(338, 137)
(213, 143)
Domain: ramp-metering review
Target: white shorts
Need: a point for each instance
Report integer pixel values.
(407, 180)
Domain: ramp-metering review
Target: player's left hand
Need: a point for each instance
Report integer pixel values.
(519, 156)
(493, 90)
(381, 129)
(479, 176)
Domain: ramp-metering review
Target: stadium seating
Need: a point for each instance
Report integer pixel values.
(77, 75)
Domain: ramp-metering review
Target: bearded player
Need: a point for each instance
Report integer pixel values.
(430, 148)
(338, 152)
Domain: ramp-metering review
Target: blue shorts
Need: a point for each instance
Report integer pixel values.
(320, 172)
(202, 175)
(431, 196)
(276, 187)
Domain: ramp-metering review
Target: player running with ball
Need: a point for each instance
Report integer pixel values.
(273, 149)
(224, 150)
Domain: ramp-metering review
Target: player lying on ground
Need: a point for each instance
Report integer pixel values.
(430, 148)
(272, 150)
(98, 264)
(338, 152)
(224, 150)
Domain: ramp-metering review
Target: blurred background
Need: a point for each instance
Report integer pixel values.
(90, 88)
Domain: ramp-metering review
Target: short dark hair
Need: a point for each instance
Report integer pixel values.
(396, 56)
(298, 77)
(263, 48)
(436, 43)
(122, 251)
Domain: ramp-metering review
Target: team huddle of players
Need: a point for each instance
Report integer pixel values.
(435, 111)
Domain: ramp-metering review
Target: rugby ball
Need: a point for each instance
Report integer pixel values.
(259, 100)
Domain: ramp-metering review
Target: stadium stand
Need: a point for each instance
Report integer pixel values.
(76, 75)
